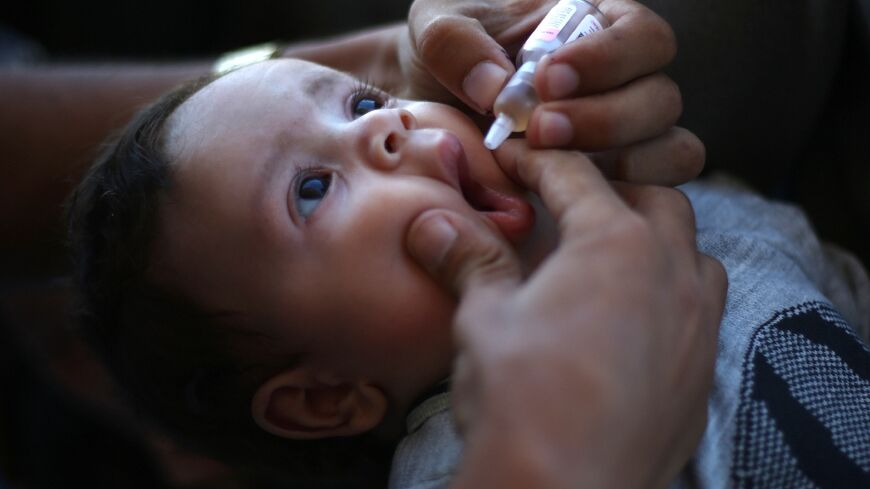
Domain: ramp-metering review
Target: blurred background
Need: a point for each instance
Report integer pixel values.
(776, 89)
(167, 29)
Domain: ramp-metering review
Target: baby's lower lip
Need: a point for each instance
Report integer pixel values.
(512, 215)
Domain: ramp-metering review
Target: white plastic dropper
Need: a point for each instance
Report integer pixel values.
(500, 130)
(514, 106)
(566, 21)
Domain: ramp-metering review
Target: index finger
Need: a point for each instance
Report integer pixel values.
(639, 42)
(570, 185)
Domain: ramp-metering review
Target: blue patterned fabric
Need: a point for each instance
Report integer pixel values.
(804, 415)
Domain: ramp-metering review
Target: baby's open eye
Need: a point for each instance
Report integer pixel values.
(365, 104)
(312, 189)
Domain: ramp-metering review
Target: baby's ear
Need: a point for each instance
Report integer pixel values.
(302, 404)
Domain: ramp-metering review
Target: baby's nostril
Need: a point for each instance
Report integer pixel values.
(390, 143)
(407, 119)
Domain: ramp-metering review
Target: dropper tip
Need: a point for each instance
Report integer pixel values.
(500, 130)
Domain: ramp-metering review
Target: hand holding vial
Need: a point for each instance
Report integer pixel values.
(605, 94)
(568, 21)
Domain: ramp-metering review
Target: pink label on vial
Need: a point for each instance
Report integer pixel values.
(554, 22)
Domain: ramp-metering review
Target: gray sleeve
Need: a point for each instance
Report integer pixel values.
(790, 405)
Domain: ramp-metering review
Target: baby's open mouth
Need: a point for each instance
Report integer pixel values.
(512, 215)
(475, 195)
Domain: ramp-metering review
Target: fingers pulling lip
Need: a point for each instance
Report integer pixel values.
(513, 216)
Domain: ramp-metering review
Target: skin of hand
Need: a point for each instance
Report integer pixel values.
(595, 370)
(605, 94)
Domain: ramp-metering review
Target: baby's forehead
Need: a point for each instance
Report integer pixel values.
(283, 76)
(248, 90)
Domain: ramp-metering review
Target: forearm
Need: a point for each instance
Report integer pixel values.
(501, 462)
(53, 118)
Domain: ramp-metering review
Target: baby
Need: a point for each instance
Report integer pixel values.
(243, 270)
(243, 264)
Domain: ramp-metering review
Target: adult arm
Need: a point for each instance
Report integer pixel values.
(53, 118)
(594, 371)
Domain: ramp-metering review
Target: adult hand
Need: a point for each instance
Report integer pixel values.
(593, 372)
(605, 92)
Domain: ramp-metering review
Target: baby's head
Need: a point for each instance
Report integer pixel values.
(243, 265)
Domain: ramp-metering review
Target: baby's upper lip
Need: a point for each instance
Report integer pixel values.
(455, 165)
(452, 159)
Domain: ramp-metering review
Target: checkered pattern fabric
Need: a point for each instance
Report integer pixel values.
(804, 414)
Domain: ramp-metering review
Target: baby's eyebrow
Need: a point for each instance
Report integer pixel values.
(321, 84)
(316, 85)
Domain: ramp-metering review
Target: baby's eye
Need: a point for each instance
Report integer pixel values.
(362, 105)
(311, 191)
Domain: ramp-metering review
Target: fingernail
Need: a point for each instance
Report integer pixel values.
(432, 240)
(562, 80)
(554, 129)
(483, 83)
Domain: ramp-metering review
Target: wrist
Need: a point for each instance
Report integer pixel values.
(520, 445)
(506, 462)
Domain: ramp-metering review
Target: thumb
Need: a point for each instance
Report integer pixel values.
(462, 255)
(456, 49)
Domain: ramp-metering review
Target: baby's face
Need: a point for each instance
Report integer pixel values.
(295, 187)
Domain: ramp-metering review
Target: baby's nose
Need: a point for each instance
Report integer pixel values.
(385, 133)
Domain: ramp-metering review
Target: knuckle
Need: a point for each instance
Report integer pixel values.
(672, 97)
(486, 261)
(690, 154)
(434, 36)
(676, 199)
(677, 202)
(661, 36)
(602, 126)
(431, 36)
(634, 231)
(531, 167)
(717, 270)
(664, 97)
(600, 59)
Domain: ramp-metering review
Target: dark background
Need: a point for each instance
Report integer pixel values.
(160, 29)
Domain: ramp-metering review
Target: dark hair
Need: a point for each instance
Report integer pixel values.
(169, 359)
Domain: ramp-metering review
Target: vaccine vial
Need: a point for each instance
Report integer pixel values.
(567, 21)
